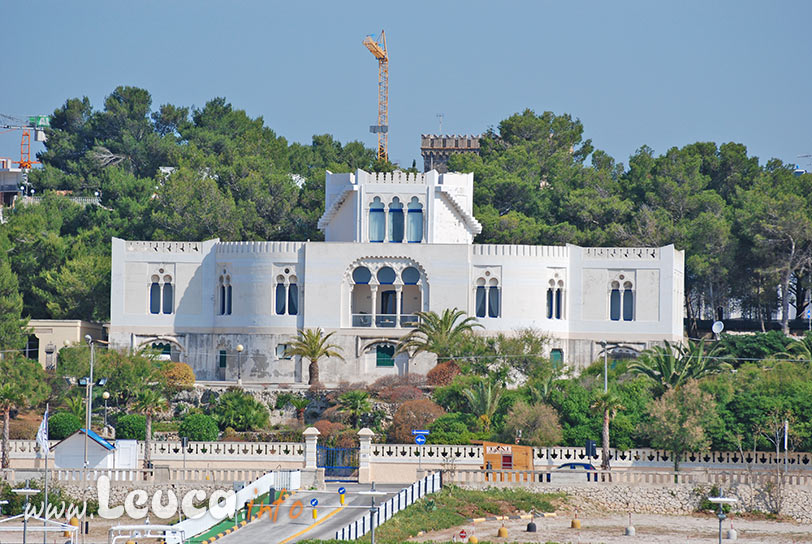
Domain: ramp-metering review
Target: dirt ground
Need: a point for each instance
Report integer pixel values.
(98, 531)
(609, 529)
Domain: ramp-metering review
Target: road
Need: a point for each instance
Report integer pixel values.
(331, 516)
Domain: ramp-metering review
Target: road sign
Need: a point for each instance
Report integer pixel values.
(341, 490)
(808, 314)
(419, 431)
(420, 439)
(463, 534)
(314, 502)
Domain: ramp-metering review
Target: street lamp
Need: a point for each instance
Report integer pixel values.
(240, 349)
(720, 500)
(89, 389)
(105, 396)
(26, 492)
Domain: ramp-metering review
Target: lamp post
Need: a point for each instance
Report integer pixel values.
(89, 390)
(240, 349)
(721, 500)
(105, 396)
(26, 492)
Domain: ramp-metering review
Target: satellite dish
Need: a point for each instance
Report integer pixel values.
(717, 327)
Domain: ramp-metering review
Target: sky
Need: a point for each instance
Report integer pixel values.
(661, 74)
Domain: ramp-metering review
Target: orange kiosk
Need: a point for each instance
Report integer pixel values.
(500, 457)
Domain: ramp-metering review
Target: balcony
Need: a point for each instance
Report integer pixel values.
(383, 321)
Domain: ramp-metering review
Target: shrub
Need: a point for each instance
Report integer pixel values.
(63, 424)
(389, 382)
(443, 373)
(198, 427)
(330, 430)
(455, 428)
(131, 427)
(412, 414)
(237, 409)
(178, 377)
(400, 393)
(538, 423)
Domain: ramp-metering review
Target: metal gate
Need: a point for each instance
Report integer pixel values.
(339, 464)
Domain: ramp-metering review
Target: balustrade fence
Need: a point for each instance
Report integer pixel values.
(124, 476)
(405, 497)
(440, 456)
(508, 478)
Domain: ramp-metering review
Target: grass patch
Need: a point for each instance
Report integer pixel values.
(453, 506)
(165, 426)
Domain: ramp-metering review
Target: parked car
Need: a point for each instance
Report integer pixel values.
(575, 472)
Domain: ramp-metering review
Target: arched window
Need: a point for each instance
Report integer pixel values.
(386, 276)
(494, 298)
(559, 300)
(286, 294)
(293, 296)
(385, 355)
(155, 296)
(614, 302)
(377, 221)
(414, 222)
(396, 221)
(168, 295)
(361, 275)
(481, 296)
(410, 276)
(224, 291)
(281, 295)
(628, 302)
(361, 304)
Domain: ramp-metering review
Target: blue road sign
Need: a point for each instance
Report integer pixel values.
(419, 431)
(808, 314)
(341, 490)
(314, 502)
(420, 439)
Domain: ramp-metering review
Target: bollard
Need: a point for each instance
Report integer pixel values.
(341, 499)
(531, 527)
(315, 514)
(630, 531)
(473, 540)
(74, 522)
(731, 533)
(576, 523)
(502, 532)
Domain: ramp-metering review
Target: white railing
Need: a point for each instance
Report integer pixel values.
(125, 476)
(405, 497)
(553, 478)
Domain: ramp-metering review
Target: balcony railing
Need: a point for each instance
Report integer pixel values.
(385, 320)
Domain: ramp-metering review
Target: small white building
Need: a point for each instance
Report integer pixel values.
(395, 244)
(101, 454)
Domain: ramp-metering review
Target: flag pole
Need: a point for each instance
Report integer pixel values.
(45, 512)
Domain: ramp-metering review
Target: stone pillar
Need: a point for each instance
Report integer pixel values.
(398, 304)
(311, 435)
(364, 454)
(373, 290)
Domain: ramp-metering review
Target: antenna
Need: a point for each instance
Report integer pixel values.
(440, 116)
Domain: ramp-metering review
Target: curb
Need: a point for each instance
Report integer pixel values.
(505, 518)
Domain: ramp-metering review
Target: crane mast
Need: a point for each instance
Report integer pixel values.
(379, 51)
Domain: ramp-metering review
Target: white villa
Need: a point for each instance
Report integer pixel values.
(395, 244)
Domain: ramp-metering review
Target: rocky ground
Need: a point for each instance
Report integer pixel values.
(606, 528)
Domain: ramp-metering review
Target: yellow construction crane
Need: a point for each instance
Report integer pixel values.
(378, 48)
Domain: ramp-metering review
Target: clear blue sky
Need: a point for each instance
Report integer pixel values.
(656, 73)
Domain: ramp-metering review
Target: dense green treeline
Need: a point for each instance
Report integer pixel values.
(745, 226)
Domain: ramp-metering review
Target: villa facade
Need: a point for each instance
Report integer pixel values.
(395, 244)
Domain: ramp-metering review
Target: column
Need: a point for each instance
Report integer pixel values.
(373, 289)
(364, 454)
(311, 435)
(398, 304)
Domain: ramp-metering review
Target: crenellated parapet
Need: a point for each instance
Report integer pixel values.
(436, 149)
(258, 247)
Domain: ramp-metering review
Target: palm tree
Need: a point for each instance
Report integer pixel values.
(300, 404)
(608, 404)
(149, 402)
(312, 344)
(76, 405)
(799, 349)
(671, 365)
(484, 397)
(440, 334)
(356, 404)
